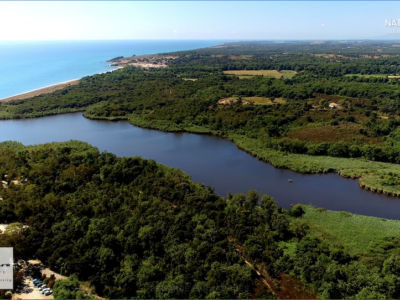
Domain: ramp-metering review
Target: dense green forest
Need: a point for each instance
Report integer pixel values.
(132, 228)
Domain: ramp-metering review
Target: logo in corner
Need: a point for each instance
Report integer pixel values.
(392, 22)
(6, 268)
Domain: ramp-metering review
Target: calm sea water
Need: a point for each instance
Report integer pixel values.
(29, 65)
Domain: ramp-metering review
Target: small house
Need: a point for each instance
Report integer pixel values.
(334, 105)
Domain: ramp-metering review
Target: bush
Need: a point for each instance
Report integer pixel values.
(339, 150)
(36, 272)
(51, 284)
(296, 211)
(299, 228)
(334, 122)
(354, 151)
(318, 149)
(66, 289)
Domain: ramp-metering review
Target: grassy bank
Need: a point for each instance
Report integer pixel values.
(372, 175)
(355, 233)
(93, 117)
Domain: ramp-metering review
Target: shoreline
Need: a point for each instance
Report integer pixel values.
(274, 161)
(47, 89)
(43, 90)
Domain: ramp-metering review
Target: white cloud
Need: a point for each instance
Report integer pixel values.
(175, 31)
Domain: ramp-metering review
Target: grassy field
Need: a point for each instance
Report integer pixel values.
(354, 232)
(190, 79)
(265, 73)
(264, 100)
(288, 73)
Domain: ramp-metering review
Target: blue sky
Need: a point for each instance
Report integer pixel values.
(195, 20)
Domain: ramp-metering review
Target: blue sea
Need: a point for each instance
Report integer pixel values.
(29, 65)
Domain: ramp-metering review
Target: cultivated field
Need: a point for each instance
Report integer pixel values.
(265, 73)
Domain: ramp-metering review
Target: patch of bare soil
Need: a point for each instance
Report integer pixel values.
(144, 61)
(49, 272)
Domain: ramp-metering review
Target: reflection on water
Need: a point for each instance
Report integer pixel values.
(211, 160)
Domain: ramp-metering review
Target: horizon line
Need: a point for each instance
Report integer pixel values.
(213, 39)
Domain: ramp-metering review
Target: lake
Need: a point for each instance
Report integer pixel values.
(207, 159)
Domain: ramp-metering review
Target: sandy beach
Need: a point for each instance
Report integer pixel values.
(48, 89)
(44, 90)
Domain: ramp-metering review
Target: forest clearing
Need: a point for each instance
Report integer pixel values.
(265, 73)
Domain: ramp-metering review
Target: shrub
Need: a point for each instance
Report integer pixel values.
(334, 122)
(339, 150)
(66, 289)
(296, 211)
(299, 228)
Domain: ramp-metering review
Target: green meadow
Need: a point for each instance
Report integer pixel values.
(356, 233)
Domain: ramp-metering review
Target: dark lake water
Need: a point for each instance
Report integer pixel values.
(211, 160)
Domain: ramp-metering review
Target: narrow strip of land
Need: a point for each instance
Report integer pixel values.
(44, 90)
